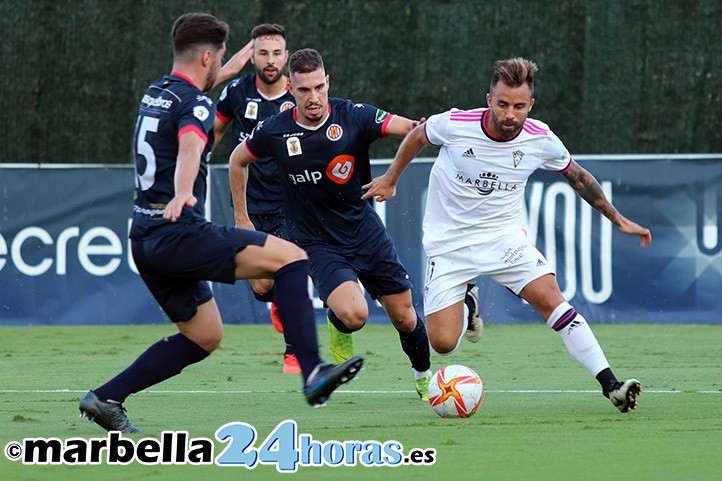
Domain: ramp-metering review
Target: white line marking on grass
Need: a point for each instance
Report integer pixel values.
(348, 391)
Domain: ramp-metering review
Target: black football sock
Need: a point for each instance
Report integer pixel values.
(161, 361)
(296, 312)
(338, 323)
(416, 345)
(608, 381)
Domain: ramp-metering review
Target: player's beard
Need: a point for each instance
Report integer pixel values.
(500, 127)
(313, 118)
(266, 79)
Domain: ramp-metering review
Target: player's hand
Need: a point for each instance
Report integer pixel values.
(629, 227)
(416, 123)
(380, 188)
(239, 59)
(235, 64)
(175, 207)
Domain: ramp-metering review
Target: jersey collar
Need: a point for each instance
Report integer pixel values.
(489, 134)
(184, 77)
(263, 96)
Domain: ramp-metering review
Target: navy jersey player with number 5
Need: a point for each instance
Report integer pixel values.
(177, 250)
(322, 150)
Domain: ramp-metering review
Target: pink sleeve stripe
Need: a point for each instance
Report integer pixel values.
(534, 129)
(467, 113)
(193, 128)
(385, 125)
(222, 117)
(465, 117)
(248, 149)
(427, 138)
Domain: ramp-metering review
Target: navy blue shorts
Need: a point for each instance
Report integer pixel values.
(376, 264)
(274, 224)
(176, 261)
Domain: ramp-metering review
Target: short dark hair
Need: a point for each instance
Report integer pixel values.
(514, 72)
(306, 60)
(193, 29)
(268, 29)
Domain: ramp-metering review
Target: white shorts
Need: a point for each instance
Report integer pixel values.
(510, 260)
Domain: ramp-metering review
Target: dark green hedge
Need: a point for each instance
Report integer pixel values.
(617, 76)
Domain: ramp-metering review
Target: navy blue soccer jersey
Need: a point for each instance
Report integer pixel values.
(242, 103)
(322, 171)
(170, 107)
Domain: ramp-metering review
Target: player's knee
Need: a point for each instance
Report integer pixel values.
(208, 339)
(443, 346)
(406, 322)
(211, 341)
(354, 319)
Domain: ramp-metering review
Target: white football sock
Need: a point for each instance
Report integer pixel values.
(580, 340)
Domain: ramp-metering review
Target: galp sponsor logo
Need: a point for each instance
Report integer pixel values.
(340, 169)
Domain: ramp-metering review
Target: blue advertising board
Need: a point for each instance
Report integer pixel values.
(64, 253)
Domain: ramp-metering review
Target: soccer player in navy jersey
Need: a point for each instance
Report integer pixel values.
(322, 150)
(243, 103)
(177, 250)
(472, 219)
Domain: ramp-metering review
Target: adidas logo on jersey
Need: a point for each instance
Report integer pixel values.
(469, 154)
(540, 263)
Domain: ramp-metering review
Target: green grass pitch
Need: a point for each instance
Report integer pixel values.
(542, 417)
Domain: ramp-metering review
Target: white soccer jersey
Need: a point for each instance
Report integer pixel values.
(476, 187)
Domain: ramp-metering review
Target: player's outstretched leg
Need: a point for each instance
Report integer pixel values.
(299, 325)
(163, 360)
(583, 346)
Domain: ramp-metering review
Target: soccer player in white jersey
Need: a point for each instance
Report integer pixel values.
(472, 224)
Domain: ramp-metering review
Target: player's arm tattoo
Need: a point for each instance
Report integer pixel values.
(589, 189)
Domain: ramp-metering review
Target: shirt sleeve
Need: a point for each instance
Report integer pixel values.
(435, 128)
(257, 142)
(197, 116)
(555, 157)
(224, 110)
(373, 120)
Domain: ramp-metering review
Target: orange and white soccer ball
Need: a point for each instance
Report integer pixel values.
(455, 392)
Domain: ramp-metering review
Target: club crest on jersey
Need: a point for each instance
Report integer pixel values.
(200, 112)
(286, 105)
(334, 132)
(381, 116)
(340, 169)
(251, 110)
(517, 155)
(293, 145)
